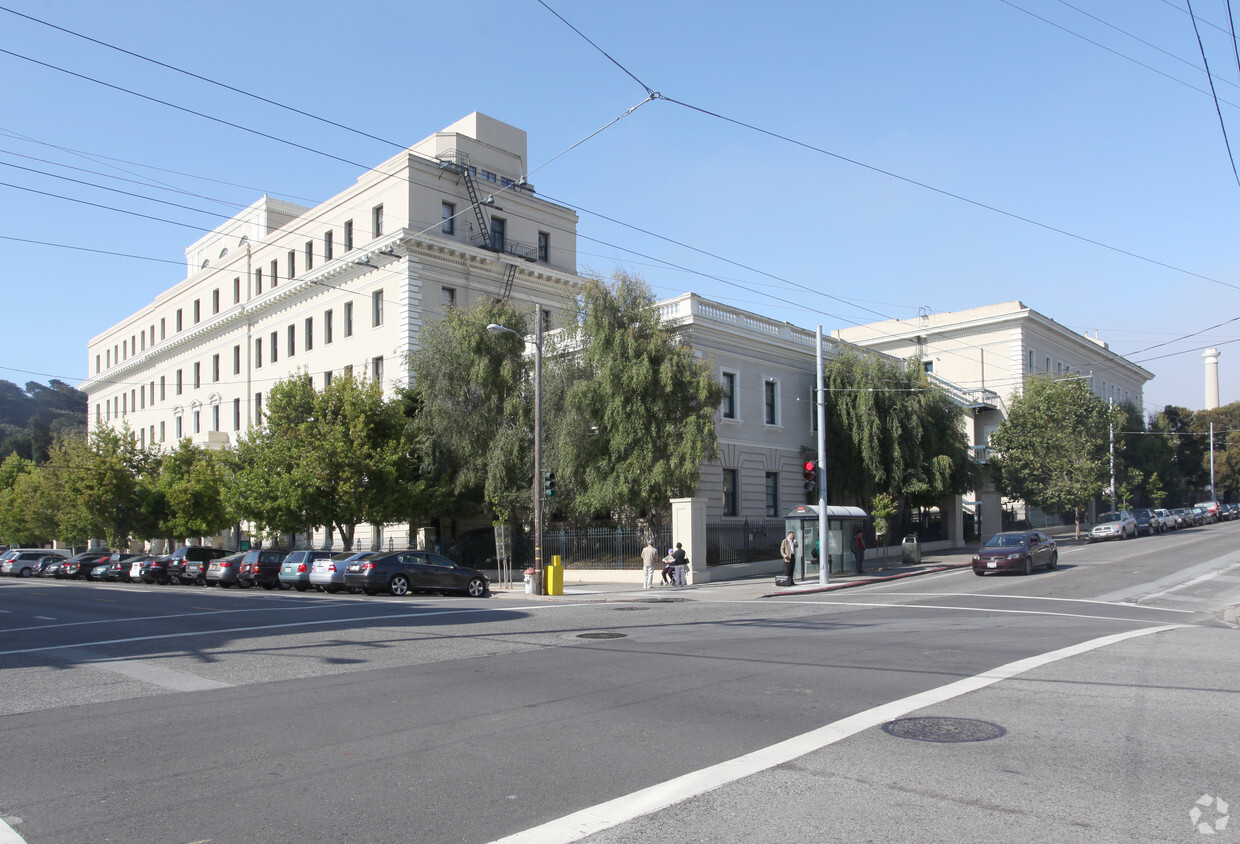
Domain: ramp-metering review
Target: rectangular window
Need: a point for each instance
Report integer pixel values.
(258, 408)
(772, 495)
(258, 352)
(163, 334)
(447, 297)
(499, 228)
(152, 395)
(142, 397)
(376, 309)
(215, 368)
(179, 320)
(292, 340)
(215, 417)
(348, 235)
(544, 247)
(236, 414)
(215, 301)
(124, 350)
(162, 431)
(327, 326)
(348, 319)
(96, 364)
(197, 422)
(327, 379)
(143, 336)
(275, 273)
(178, 428)
(237, 360)
(729, 395)
(152, 335)
(292, 264)
(237, 290)
(124, 404)
(488, 176)
(197, 374)
(275, 346)
(376, 369)
(1048, 365)
(770, 402)
(163, 389)
(309, 333)
(327, 245)
(108, 353)
(448, 226)
(197, 311)
(258, 281)
(180, 384)
(729, 492)
(98, 413)
(309, 255)
(376, 220)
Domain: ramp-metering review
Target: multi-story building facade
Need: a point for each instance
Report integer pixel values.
(344, 286)
(988, 352)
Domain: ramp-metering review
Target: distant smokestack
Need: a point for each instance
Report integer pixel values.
(1211, 356)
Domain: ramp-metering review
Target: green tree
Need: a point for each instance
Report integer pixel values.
(1189, 456)
(336, 457)
(632, 410)
(882, 508)
(1053, 447)
(471, 409)
(890, 432)
(187, 496)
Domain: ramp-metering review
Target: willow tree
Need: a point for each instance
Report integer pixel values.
(632, 408)
(891, 432)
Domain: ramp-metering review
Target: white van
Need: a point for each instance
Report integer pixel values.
(24, 562)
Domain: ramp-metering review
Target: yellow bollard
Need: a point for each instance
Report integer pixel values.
(554, 575)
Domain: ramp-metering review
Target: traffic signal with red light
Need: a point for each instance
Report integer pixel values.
(810, 473)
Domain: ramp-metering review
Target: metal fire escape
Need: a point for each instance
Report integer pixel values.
(458, 164)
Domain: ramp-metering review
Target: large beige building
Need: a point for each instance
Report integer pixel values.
(345, 285)
(988, 352)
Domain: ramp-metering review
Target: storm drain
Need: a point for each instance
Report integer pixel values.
(601, 635)
(943, 730)
(630, 609)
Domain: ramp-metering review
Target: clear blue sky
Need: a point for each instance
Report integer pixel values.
(1109, 139)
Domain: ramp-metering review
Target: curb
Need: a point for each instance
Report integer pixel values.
(833, 587)
(1231, 616)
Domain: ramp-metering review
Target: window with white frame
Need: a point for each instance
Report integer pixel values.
(730, 492)
(770, 402)
(728, 382)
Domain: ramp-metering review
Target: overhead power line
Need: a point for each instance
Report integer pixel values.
(1214, 93)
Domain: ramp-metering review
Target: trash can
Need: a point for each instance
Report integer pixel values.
(910, 550)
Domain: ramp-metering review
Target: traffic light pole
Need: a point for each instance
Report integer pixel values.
(824, 544)
(540, 585)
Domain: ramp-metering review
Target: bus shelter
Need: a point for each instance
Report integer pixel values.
(843, 522)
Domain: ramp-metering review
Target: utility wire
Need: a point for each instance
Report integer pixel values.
(1210, 77)
(650, 92)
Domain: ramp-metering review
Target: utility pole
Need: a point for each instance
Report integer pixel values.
(824, 558)
(1111, 427)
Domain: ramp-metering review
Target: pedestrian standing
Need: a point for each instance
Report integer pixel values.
(681, 562)
(650, 557)
(788, 550)
(859, 551)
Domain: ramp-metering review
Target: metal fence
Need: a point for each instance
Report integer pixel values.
(744, 542)
(928, 525)
(609, 548)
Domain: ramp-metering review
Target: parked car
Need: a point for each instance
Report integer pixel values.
(178, 564)
(1202, 515)
(83, 565)
(23, 562)
(327, 575)
(1148, 521)
(49, 567)
(116, 569)
(1186, 516)
(1019, 551)
(261, 566)
(135, 566)
(401, 572)
(1115, 524)
(1168, 519)
(155, 570)
(1227, 512)
(295, 569)
(1211, 507)
(223, 571)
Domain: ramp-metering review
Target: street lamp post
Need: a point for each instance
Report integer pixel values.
(495, 328)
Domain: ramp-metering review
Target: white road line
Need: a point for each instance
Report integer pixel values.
(156, 675)
(164, 637)
(8, 836)
(648, 800)
(1028, 598)
(45, 618)
(912, 606)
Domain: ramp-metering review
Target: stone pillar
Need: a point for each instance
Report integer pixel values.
(952, 513)
(689, 529)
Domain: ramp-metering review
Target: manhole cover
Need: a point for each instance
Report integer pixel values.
(943, 729)
(601, 635)
(630, 609)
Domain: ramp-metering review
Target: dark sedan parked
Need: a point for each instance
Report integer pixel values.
(1019, 551)
(262, 566)
(401, 572)
(83, 566)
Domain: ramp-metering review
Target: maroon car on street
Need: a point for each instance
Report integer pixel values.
(1018, 551)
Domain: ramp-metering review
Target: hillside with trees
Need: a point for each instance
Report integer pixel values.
(31, 419)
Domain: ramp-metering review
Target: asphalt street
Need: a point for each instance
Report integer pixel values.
(181, 714)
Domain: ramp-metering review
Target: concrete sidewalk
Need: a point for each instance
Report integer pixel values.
(747, 588)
